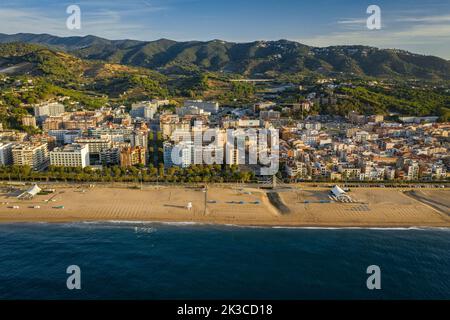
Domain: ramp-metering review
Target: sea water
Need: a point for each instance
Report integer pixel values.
(132, 260)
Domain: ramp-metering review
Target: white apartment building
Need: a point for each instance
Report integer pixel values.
(72, 155)
(438, 171)
(248, 123)
(102, 132)
(412, 170)
(191, 110)
(95, 145)
(309, 125)
(43, 111)
(34, 155)
(180, 155)
(296, 169)
(139, 139)
(146, 109)
(6, 154)
(310, 139)
(206, 106)
(65, 136)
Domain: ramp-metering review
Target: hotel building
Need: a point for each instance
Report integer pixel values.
(34, 155)
(73, 155)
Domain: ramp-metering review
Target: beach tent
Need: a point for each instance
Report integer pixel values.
(339, 193)
(30, 193)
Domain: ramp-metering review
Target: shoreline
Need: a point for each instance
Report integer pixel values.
(246, 207)
(136, 223)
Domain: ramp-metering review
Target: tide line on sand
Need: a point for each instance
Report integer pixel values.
(191, 223)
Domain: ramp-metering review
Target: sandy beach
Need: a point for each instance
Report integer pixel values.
(373, 207)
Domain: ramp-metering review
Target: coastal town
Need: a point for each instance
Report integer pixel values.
(321, 151)
(222, 159)
(326, 148)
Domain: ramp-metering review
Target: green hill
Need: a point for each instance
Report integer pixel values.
(248, 59)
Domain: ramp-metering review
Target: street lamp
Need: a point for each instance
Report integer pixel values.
(205, 191)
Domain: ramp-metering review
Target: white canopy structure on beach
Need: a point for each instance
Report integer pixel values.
(339, 193)
(30, 193)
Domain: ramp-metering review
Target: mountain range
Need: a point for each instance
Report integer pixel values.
(258, 58)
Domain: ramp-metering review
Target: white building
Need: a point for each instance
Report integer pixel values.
(45, 110)
(248, 123)
(65, 136)
(6, 153)
(296, 169)
(412, 170)
(191, 110)
(206, 106)
(95, 145)
(146, 109)
(438, 171)
(73, 155)
(180, 155)
(139, 139)
(34, 155)
(103, 132)
(310, 138)
(309, 125)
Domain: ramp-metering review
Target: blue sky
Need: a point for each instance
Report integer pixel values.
(418, 26)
